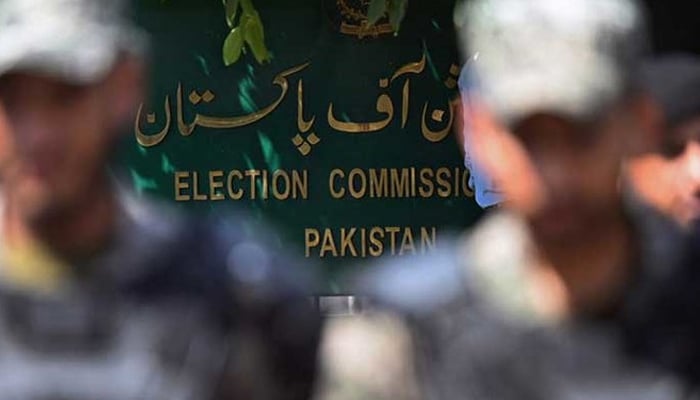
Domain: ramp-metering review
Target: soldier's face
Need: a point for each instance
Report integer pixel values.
(681, 167)
(560, 174)
(54, 141)
(670, 180)
(685, 167)
(576, 167)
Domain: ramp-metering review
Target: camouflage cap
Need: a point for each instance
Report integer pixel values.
(574, 58)
(77, 41)
(673, 80)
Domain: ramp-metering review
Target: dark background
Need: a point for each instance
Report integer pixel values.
(675, 25)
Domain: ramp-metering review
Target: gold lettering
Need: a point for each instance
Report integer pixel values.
(399, 185)
(300, 184)
(328, 244)
(393, 230)
(378, 184)
(427, 188)
(465, 184)
(357, 194)
(196, 196)
(265, 186)
(407, 243)
(283, 195)
(373, 241)
(442, 176)
(346, 241)
(311, 239)
(376, 247)
(456, 185)
(336, 194)
(253, 174)
(238, 194)
(181, 185)
(413, 182)
(428, 239)
(363, 240)
(214, 185)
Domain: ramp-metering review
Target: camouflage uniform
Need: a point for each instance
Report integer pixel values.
(460, 324)
(466, 322)
(172, 308)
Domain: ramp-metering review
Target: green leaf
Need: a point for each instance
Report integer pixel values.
(231, 7)
(377, 9)
(255, 37)
(247, 6)
(233, 46)
(397, 12)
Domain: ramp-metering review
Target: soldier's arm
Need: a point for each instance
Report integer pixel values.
(367, 357)
(274, 328)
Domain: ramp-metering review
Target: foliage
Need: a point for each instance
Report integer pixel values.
(248, 33)
(396, 9)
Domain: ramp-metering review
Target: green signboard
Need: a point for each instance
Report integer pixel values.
(344, 138)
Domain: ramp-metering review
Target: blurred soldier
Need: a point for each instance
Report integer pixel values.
(532, 304)
(486, 192)
(103, 296)
(670, 179)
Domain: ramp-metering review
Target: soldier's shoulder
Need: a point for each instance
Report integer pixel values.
(415, 285)
(229, 253)
(451, 274)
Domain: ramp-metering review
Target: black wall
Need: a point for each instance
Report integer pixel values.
(675, 25)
